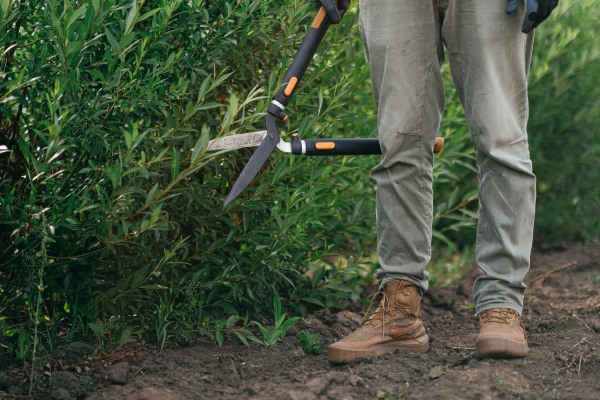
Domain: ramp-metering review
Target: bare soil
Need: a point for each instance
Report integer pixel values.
(562, 317)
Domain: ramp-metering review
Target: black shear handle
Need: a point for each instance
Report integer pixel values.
(300, 63)
(328, 147)
(344, 146)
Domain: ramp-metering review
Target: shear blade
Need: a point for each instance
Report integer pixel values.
(260, 156)
(241, 140)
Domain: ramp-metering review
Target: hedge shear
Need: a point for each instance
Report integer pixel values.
(270, 139)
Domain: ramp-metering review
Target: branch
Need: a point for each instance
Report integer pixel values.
(559, 268)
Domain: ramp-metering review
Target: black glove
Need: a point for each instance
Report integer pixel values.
(334, 12)
(537, 12)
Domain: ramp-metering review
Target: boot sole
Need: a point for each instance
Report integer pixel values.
(500, 348)
(337, 355)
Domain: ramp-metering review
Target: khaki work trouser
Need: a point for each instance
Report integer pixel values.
(489, 58)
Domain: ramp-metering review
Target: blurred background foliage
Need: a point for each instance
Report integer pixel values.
(111, 219)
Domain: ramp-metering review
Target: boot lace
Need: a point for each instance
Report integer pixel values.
(499, 315)
(386, 304)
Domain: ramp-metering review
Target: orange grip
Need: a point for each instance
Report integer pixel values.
(439, 143)
(325, 146)
(289, 89)
(319, 18)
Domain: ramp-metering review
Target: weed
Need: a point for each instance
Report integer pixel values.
(86, 388)
(275, 333)
(391, 396)
(310, 342)
(268, 334)
(110, 334)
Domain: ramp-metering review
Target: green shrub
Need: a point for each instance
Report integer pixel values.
(564, 123)
(111, 214)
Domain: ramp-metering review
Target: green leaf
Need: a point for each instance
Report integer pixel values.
(111, 39)
(231, 321)
(76, 15)
(155, 214)
(135, 135)
(151, 194)
(129, 22)
(317, 276)
(231, 111)
(287, 325)
(219, 337)
(204, 88)
(256, 340)
(314, 301)
(175, 164)
(147, 15)
(242, 338)
(207, 106)
(128, 140)
(201, 144)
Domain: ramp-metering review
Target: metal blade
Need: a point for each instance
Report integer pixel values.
(251, 139)
(254, 165)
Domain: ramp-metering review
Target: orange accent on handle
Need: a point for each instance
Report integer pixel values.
(324, 146)
(439, 143)
(290, 86)
(319, 18)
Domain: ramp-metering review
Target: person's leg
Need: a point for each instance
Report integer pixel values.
(405, 52)
(489, 58)
(404, 49)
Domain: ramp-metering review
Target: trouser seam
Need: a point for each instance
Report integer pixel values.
(424, 112)
(416, 174)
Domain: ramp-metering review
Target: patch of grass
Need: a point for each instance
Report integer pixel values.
(269, 335)
(447, 267)
(310, 342)
(391, 396)
(595, 280)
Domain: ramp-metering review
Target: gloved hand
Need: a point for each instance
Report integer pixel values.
(334, 12)
(537, 12)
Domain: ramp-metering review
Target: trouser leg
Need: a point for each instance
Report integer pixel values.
(402, 39)
(489, 58)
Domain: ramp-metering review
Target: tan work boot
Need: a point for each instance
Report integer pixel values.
(501, 334)
(395, 324)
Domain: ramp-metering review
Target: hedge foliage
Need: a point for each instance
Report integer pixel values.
(111, 217)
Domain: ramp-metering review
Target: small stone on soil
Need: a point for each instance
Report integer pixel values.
(118, 374)
(66, 380)
(61, 394)
(436, 372)
(300, 395)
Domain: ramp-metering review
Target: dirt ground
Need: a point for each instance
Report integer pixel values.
(562, 317)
